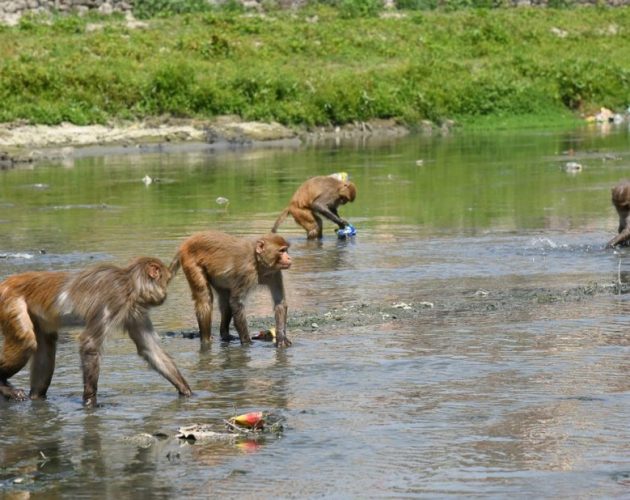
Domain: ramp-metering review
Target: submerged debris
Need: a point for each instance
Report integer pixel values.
(203, 432)
(142, 440)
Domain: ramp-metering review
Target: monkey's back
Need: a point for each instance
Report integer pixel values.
(313, 188)
(41, 288)
(221, 255)
(621, 193)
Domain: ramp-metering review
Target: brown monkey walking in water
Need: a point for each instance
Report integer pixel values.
(34, 305)
(621, 201)
(232, 267)
(318, 196)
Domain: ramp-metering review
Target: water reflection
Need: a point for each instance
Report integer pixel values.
(237, 379)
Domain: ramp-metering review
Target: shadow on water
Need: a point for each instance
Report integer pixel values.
(470, 340)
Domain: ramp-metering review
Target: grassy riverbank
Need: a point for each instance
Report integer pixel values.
(319, 67)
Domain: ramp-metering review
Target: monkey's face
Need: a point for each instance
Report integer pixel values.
(153, 282)
(283, 259)
(347, 193)
(272, 252)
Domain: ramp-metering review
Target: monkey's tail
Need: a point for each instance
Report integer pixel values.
(175, 265)
(280, 220)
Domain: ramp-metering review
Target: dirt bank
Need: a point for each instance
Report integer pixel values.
(20, 142)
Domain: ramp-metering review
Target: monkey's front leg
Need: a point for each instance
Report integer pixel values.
(622, 237)
(280, 313)
(90, 341)
(91, 366)
(329, 214)
(280, 309)
(148, 346)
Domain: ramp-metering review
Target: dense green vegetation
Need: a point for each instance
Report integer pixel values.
(332, 65)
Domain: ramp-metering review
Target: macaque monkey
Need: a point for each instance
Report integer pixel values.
(621, 201)
(34, 305)
(318, 196)
(232, 267)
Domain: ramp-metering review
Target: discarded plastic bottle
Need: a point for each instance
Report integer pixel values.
(346, 232)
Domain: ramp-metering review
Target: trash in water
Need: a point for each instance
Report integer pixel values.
(573, 166)
(267, 335)
(203, 432)
(340, 176)
(248, 425)
(255, 423)
(346, 232)
(252, 420)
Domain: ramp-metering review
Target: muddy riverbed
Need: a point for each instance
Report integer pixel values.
(470, 340)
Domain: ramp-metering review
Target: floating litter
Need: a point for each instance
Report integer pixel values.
(573, 166)
(252, 420)
(346, 232)
(267, 335)
(340, 176)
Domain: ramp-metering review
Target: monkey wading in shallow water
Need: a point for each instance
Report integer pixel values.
(621, 201)
(318, 196)
(34, 305)
(232, 267)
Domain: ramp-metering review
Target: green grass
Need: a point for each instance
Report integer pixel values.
(319, 67)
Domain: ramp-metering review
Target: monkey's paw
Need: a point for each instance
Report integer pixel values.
(283, 342)
(12, 393)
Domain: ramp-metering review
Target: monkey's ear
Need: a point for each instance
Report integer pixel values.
(260, 246)
(153, 270)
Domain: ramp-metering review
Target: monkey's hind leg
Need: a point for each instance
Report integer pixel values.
(305, 218)
(19, 345)
(226, 315)
(240, 321)
(43, 364)
(202, 297)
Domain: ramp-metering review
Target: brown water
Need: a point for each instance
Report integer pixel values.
(513, 383)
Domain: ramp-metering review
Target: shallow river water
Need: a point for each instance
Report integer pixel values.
(471, 340)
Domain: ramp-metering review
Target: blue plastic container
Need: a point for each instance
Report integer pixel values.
(346, 232)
